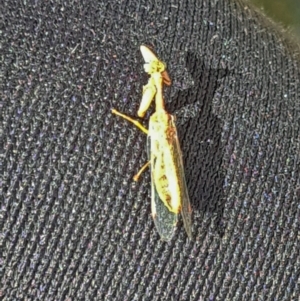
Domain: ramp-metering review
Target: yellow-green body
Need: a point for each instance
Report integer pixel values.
(162, 133)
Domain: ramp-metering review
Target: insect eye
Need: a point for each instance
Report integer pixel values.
(154, 67)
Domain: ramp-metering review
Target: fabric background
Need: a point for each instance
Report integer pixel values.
(74, 226)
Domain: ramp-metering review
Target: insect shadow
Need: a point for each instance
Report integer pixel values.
(200, 139)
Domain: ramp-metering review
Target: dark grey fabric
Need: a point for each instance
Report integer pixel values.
(74, 226)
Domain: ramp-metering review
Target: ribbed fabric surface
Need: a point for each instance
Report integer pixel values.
(74, 225)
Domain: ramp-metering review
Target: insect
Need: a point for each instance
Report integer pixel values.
(169, 195)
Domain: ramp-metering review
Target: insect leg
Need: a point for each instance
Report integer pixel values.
(135, 122)
(136, 177)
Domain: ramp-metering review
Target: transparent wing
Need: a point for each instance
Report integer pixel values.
(186, 210)
(165, 220)
(167, 167)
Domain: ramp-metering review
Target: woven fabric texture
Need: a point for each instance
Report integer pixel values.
(74, 225)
